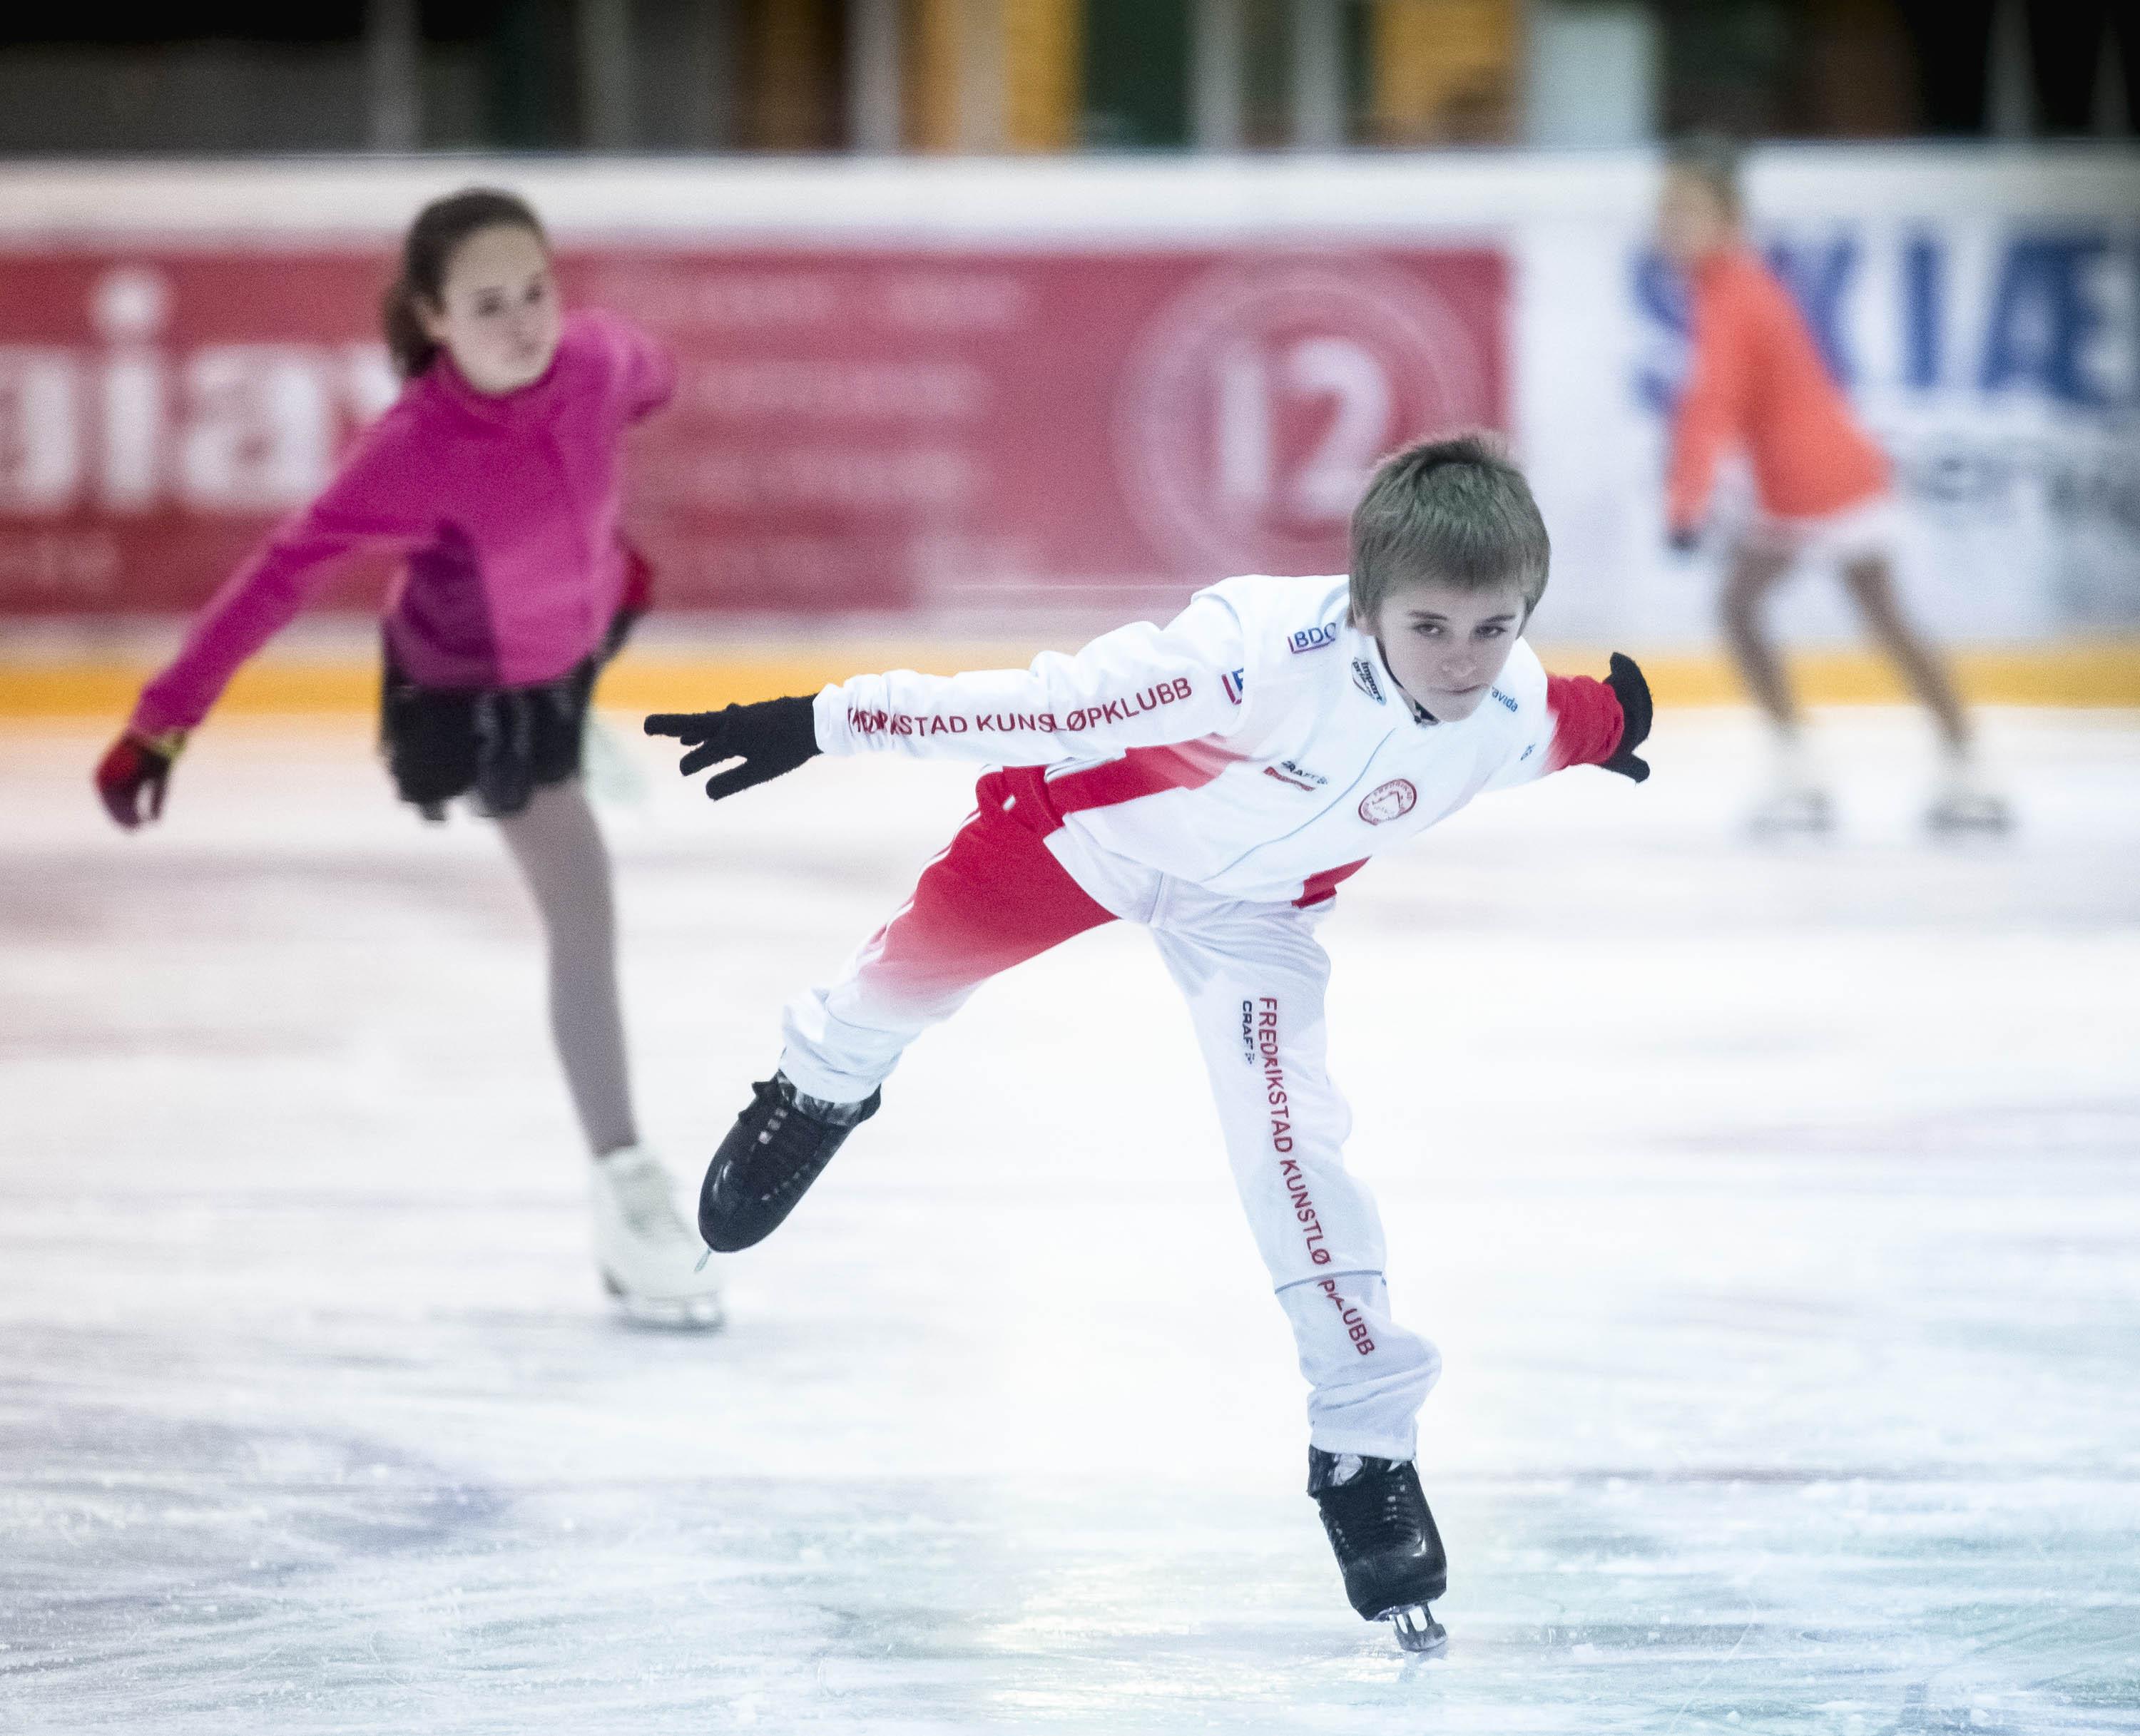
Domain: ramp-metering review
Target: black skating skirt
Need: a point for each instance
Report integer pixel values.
(498, 744)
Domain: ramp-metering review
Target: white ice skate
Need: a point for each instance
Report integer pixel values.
(647, 1255)
(1793, 811)
(1797, 804)
(1965, 805)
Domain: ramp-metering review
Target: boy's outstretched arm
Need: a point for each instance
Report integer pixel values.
(1591, 723)
(1140, 686)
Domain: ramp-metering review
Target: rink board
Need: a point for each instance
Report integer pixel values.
(971, 391)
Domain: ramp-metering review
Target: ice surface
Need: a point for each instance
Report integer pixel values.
(1775, 1212)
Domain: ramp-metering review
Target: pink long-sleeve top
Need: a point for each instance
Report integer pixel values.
(504, 512)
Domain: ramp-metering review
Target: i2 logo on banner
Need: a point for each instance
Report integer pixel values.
(1253, 408)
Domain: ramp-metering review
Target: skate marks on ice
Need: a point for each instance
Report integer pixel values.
(1794, 1398)
(917, 1604)
(1859, 1604)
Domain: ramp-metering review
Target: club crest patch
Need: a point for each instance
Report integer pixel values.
(1387, 801)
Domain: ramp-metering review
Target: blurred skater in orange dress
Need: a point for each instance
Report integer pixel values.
(1757, 385)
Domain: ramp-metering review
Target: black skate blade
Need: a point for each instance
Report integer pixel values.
(1417, 1631)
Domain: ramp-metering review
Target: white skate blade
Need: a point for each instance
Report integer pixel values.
(1793, 814)
(1978, 817)
(673, 1313)
(1417, 1631)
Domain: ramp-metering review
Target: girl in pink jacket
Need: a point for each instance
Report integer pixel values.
(494, 478)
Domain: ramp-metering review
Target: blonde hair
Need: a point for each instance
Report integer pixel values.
(1714, 161)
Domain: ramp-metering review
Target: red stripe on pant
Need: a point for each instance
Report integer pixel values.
(994, 898)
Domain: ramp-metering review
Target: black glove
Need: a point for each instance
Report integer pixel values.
(771, 737)
(1684, 539)
(1633, 692)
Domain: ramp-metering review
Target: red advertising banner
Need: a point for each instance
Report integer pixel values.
(856, 429)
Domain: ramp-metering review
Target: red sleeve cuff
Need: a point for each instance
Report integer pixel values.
(1587, 724)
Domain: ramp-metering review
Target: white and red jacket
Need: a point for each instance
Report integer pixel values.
(1256, 745)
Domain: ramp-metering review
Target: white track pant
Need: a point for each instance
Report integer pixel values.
(1254, 976)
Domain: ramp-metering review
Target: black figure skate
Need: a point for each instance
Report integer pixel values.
(1387, 1548)
(778, 1147)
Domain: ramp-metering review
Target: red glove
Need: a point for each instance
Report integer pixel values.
(637, 599)
(132, 765)
(638, 581)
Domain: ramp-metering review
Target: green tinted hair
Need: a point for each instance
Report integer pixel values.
(1455, 512)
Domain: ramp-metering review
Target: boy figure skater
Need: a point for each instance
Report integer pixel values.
(1757, 383)
(1214, 780)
